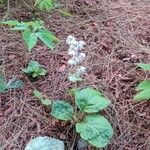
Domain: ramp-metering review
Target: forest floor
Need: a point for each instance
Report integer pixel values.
(117, 35)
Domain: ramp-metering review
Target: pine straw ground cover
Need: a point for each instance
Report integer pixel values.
(117, 34)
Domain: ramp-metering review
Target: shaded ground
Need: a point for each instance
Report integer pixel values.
(117, 34)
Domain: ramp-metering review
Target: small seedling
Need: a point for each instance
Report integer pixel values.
(91, 126)
(11, 84)
(33, 30)
(43, 99)
(144, 86)
(34, 69)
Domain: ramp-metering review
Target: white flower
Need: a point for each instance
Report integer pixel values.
(81, 56)
(72, 53)
(76, 59)
(81, 70)
(73, 48)
(74, 78)
(81, 44)
(71, 40)
(72, 62)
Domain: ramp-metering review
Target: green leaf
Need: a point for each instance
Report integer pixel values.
(30, 39)
(47, 37)
(34, 65)
(15, 84)
(62, 110)
(145, 67)
(34, 69)
(90, 101)
(36, 25)
(144, 85)
(29, 69)
(43, 72)
(38, 94)
(143, 95)
(96, 130)
(46, 102)
(2, 2)
(45, 143)
(3, 86)
(11, 84)
(44, 4)
(19, 28)
(10, 22)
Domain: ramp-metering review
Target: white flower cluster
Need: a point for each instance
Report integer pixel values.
(76, 58)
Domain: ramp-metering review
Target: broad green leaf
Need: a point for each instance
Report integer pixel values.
(90, 101)
(38, 94)
(62, 110)
(10, 22)
(46, 102)
(96, 130)
(144, 85)
(15, 84)
(44, 4)
(30, 39)
(145, 67)
(19, 28)
(143, 95)
(3, 86)
(45, 143)
(11, 84)
(47, 37)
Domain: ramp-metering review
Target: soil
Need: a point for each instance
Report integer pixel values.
(117, 35)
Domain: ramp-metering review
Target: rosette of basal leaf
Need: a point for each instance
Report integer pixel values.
(96, 130)
(90, 100)
(62, 110)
